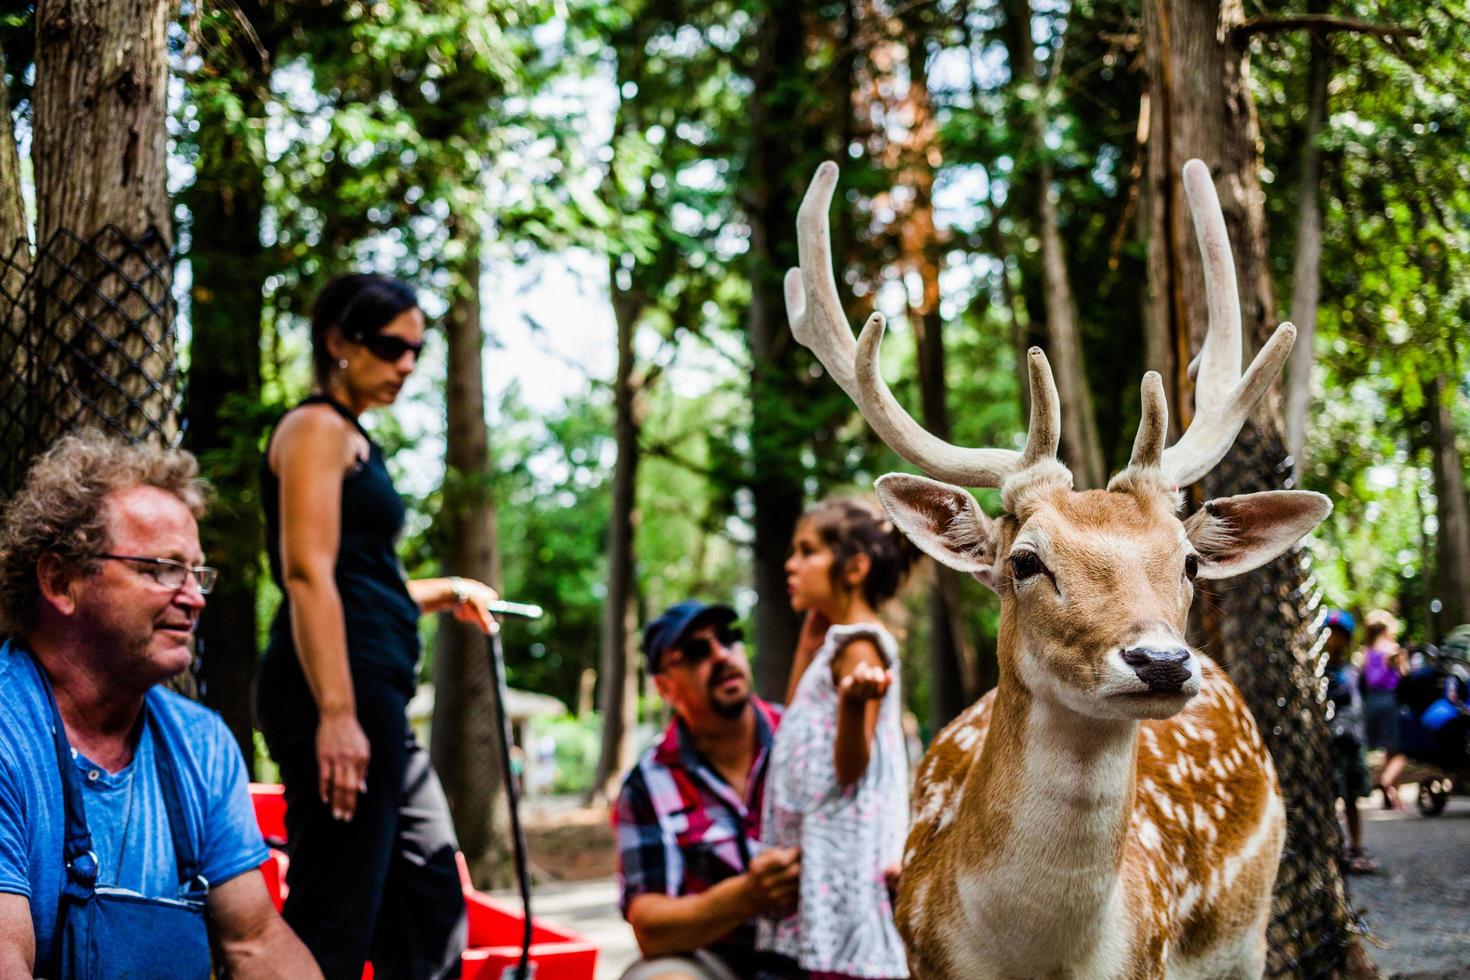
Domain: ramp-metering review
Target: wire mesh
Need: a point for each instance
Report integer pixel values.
(87, 340)
(1265, 629)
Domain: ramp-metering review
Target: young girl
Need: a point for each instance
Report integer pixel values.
(838, 785)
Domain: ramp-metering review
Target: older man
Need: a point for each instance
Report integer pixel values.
(127, 839)
(692, 871)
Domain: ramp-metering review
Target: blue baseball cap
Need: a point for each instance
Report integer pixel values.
(665, 632)
(1340, 619)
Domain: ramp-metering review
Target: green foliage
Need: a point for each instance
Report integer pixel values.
(577, 743)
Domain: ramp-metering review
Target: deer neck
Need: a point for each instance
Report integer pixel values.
(1048, 804)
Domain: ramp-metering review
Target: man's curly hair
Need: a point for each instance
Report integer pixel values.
(59, 510)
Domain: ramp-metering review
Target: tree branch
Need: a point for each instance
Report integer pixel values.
(1321, 22)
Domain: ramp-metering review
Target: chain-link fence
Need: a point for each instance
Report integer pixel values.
(87, 340)
(1265, 627)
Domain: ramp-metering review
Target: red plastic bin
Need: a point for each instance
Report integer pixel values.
(495, 926)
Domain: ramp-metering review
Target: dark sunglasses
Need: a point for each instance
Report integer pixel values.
(386, 347)
(697, 650)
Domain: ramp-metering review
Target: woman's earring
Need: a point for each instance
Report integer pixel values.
(342, 364)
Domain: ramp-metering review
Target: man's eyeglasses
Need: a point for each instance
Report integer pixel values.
(172, 574)
(696, 650)
(386, 347)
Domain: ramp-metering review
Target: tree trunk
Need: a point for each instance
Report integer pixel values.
(1451, 508)
(953, 682)
(229, 267)
(1080, 448)
(103, 316)
(776, 434)
(12, 204)
(1305, 278)
(618, 672)
(15, 266)
(467, 731)
(1260, 626)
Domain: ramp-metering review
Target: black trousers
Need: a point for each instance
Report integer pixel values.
(384, 885)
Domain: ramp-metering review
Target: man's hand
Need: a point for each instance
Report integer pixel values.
(775, 877)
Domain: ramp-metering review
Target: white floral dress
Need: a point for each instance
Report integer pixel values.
(844, 920)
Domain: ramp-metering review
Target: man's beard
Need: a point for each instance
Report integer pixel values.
(729, 710)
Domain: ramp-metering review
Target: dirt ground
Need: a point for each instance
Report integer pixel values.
(568, 841)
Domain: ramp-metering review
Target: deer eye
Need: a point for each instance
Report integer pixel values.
(1025, 564)
(1191, 566)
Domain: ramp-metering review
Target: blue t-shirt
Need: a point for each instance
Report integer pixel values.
(125, 810)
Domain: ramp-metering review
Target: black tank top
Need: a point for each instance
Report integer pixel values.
(381, 617)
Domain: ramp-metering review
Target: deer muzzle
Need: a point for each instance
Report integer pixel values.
(1163, 670)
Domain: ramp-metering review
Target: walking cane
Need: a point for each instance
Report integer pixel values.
(512, 795)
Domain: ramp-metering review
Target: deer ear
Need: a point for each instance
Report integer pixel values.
(1237, 534)
(943, 521)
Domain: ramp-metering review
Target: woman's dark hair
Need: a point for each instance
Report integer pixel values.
(851, 526)
(359, 306)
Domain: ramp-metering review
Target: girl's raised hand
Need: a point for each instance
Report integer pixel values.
(867, 682)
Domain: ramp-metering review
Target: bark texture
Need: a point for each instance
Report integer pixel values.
(1306, 280)
(102, 306)
(1260, 625)
(467, 730)
(1453, 558)
(618, 670)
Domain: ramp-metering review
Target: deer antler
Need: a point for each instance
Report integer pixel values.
(1223, 396)
(818, 322)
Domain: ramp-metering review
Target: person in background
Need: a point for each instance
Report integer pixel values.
(128, 844)
(1349, 736)
(839, 779)
(1383, 667)
(692, 874)
(373, 870)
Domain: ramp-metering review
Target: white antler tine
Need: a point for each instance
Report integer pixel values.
(1219, 356)
(1153, 424)
(813, 306)
(940, 459)
(1045, 430)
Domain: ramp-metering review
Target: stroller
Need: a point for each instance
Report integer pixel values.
(1434, 719)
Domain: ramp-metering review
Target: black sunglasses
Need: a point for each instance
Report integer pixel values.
(697, 650)
(386, 347)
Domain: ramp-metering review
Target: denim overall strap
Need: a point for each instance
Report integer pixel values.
(80, 860)
(191, 883)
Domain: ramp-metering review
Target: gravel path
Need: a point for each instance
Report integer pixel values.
(1418, 905)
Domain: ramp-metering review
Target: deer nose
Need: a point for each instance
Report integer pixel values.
(1164, 671)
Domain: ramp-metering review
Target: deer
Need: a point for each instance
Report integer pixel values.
(1109, 808)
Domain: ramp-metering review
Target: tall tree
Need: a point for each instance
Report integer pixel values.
(777, 433)
(1306, 277)
(104, 223)
(1080, 449)
(467, 732)
(228, 96)
(1201, 106)
(954, 681)
(1452, 511)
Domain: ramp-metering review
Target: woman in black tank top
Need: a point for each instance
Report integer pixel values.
(372, 847)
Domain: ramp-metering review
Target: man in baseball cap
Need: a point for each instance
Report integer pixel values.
(690, 864)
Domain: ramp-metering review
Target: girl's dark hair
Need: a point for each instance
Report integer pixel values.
(851, 526)
(359, 306)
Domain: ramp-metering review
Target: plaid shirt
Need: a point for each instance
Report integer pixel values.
(681, 828)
